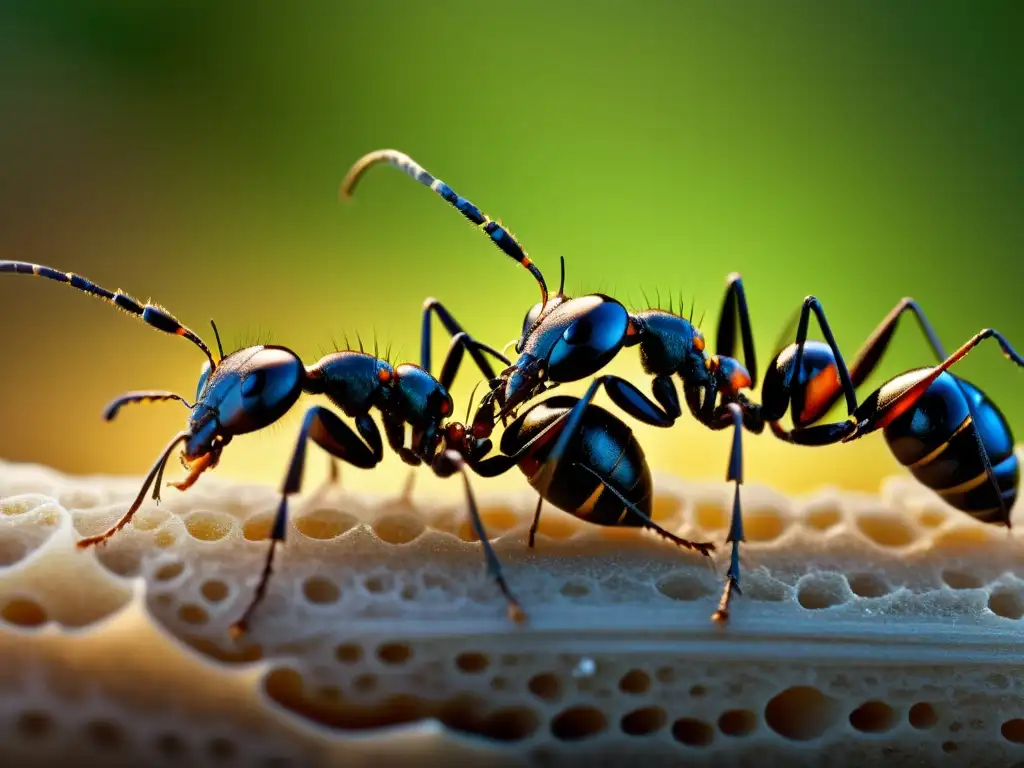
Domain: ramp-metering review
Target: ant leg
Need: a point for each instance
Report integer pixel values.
(447, 464)
(141, 397)
(332, 434)
(704, 547)
(453, 359)
(395, 431)
(794, 399)
(536, 521)
(733, 418)
(871, 352)
(734, 310)
(476, 349)
(623, 394)
(154, 472)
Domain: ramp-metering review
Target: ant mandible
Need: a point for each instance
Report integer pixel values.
(567, 339)
(251, 388)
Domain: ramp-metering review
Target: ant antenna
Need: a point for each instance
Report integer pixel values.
(216, 333)
(151, 314)
(469, 403)
(500, 236)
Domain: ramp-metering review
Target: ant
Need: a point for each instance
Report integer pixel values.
(251, 388)
(566, 339)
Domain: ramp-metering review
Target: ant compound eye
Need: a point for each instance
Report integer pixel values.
(589, 341)
(254, 383)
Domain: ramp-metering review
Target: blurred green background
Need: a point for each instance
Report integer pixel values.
(191, 152)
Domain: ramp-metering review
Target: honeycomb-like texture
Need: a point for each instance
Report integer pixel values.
(869, 627)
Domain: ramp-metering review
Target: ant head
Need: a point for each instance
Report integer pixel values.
(248, 390)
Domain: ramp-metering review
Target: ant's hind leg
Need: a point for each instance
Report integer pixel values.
(334, 436)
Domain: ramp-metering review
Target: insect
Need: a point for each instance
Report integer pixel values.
(947, 431)
(566, 339)
(252, 388)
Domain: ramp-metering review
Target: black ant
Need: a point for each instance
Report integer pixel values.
(567, 339)
(253, 387)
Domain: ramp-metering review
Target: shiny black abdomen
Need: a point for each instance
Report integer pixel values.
(604, 445)
(934, 439)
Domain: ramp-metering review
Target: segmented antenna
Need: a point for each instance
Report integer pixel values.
(152, 315)
(500, 236)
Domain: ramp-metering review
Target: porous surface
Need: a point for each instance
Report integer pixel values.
(869, 627)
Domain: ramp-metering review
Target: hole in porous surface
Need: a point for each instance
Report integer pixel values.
(348, 653)
(164, 539)
(12, 551)
(737, 722)
(683, 586)
(710, 516)
(214, 590)
(398, 528)
(762, 525)
(170, 745)
(801, 713)
(394, 653)
(822, 518)
(471, 662)
(169, 571)
(380, 583)
(692, 732)
(578, 723)
(320, 591)
(192, 614)
(868, 585)
(23, 612)
(696, 691)
(496, 520)
(1013, 730)
(931, 518)
(511, 724)
(324, 523)
(949, 747)
(123, 562)
(636, 681)
(35, 725)
(641, 722)
(105, 734)
(821, 591)
(886, 530)
(546, 686)
(873, 717)
(575, 588)
(665, 675)
(221, 749)
(1006, 603)
(922, 715)
(365, 683)
(209, 526)
(257, 527)
(664, 506)
(961, 580)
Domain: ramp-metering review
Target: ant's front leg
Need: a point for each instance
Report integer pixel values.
(395, 431)
(325, 429)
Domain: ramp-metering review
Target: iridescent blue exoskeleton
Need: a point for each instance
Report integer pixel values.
(947, 431)
(252, 388)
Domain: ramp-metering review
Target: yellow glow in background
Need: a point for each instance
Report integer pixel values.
(191, 153)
